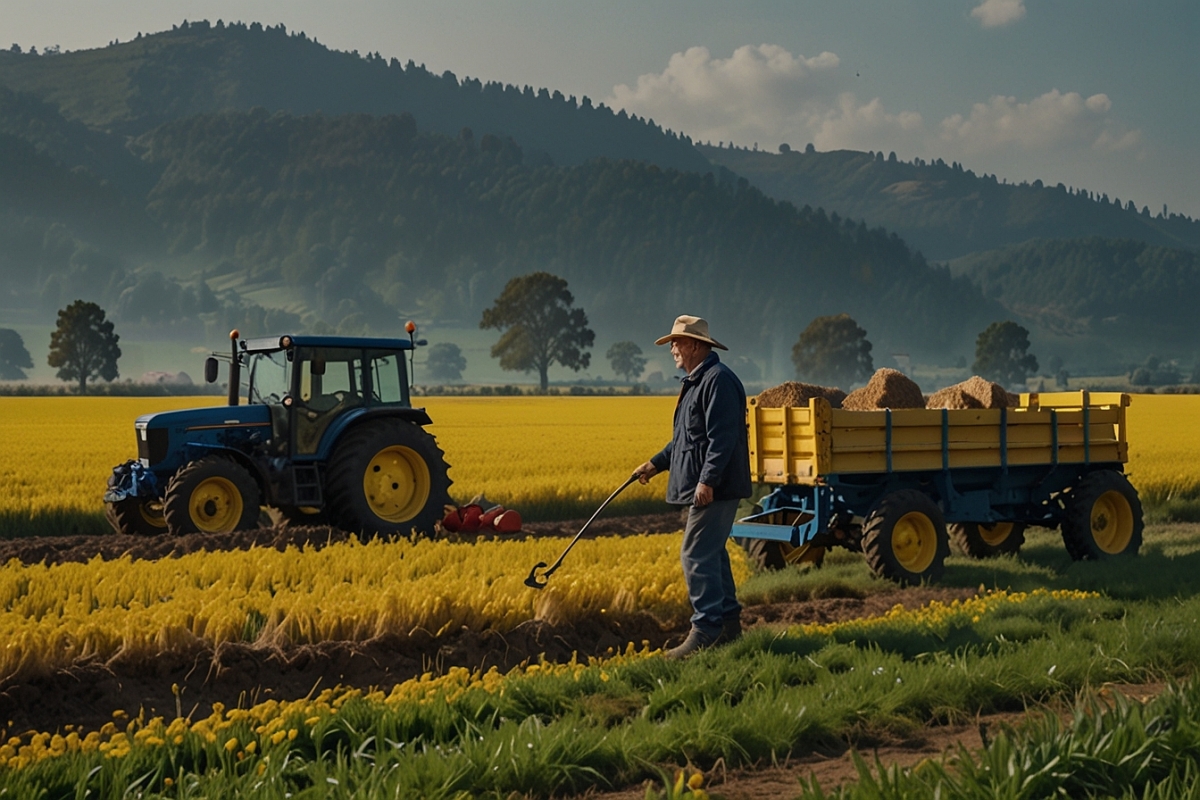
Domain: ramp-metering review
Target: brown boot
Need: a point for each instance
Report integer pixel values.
(694, 643)
(731, 630)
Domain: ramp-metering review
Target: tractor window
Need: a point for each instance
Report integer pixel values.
(387, 378)
(330, 383)
(269, 377)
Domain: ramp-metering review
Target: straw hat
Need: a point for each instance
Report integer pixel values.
(693, 328)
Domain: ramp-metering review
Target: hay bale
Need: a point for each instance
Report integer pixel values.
(952, 397)
(888, 388)
(974, 392)
(791, 393)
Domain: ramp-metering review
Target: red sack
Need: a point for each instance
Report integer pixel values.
(470, 518)
(508, 522)
(452, 522)
(489, 516)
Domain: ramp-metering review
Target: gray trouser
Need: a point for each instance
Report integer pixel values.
(706, 565)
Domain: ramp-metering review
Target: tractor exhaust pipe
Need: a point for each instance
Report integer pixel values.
(235, 368)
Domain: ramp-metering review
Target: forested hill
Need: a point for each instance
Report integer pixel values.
(355, 220)
(132, 87)
(943, 210)
(1113, 289)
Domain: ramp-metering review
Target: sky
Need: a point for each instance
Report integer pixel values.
(1096, 94)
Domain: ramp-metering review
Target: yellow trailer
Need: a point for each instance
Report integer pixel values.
(841, 476)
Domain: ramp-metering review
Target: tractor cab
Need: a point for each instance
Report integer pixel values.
(319, 428)
(309, 382)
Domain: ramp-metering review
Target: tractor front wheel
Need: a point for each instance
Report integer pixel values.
(387, 477)
(211, 495)
(1103, 517)
(905, 539)
(136, 516)
(987, 540)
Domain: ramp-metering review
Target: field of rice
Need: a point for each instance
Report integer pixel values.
(549, 457)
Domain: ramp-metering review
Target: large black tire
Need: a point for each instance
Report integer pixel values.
(768, 554)
(387, 477)
(1103, 517)
(984, 540)
(905, 538)
(136, 516)
(213, 494)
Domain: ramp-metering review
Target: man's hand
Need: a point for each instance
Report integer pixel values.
(645, 472)
(704, 495)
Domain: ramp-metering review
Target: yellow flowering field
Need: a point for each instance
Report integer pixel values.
(546, 456)
(1164, 446)
(52, 616)
(277, 723)
(535, 454)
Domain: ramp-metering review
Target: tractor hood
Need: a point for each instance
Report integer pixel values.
(162, 437)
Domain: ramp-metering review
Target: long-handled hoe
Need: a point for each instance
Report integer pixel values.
(532, 581)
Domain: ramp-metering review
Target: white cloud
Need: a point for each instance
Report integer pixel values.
(998, 13)
(1051, 121)
(762, 94)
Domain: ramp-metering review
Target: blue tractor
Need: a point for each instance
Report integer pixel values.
(327, 435)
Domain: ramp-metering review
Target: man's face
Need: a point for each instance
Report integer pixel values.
(683, 351)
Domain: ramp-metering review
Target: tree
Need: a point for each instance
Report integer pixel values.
(445, 362)
(14, 358)
(84, 345)
(833, 350)
(1002, 354)
(540, 326)
(626, 359)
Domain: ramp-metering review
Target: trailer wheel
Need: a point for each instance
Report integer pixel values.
(387, 477)
(905, 539)
(213, 494)
(983, 540)
(1103, 517)
(136, 516)
(773, 555)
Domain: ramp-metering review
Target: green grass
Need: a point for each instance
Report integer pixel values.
(1167, 565)
(755, 701)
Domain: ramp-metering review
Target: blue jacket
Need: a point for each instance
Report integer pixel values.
(709, 443)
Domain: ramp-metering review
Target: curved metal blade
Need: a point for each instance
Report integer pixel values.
(532, 582)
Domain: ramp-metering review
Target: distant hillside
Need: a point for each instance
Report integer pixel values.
(943, 210)
(360, 219)
(1138, 295)
(132, 87)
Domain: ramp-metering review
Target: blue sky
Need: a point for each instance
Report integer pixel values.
(1099, 94)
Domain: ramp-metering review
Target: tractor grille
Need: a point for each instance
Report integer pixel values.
(152, 444)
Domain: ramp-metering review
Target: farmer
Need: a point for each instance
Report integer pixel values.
(710, 472)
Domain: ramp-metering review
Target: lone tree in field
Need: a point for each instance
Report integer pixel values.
(627, 360)
(833, 350)
(540, 326)
(1002, 354)
(445, 362)
(14, 358)
(84, 345)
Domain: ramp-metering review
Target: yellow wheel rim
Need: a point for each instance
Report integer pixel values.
(804, 554)
(396, 484)
(1112, 522)
(152, 513)
(216, 505)
(914, 542)
(995, 534)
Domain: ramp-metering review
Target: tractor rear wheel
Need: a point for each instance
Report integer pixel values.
(1103, 517)
(987, 540)
(136, 516)
(213, 494)
(770, 554)
(387, 477)
(905, 538)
